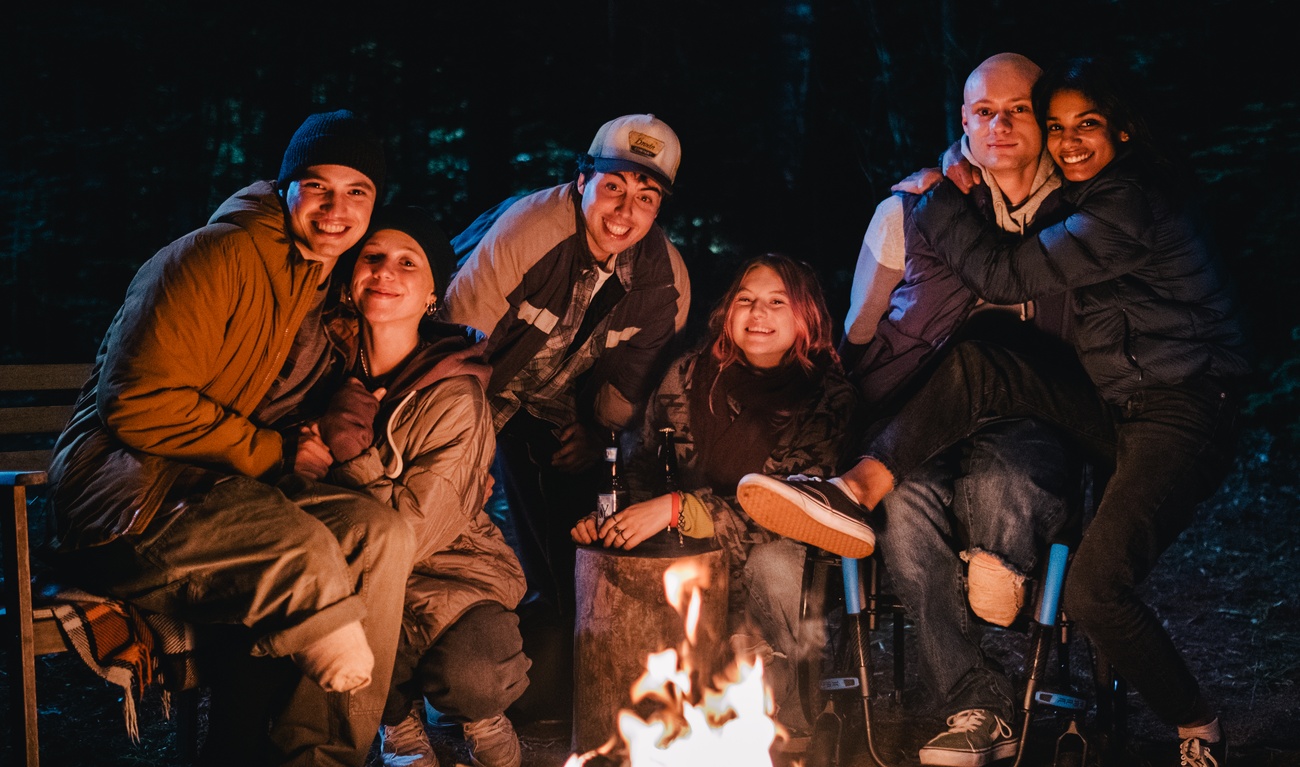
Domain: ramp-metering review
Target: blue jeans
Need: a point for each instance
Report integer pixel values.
(1170, 446)
(1003, 492)
(772, 577)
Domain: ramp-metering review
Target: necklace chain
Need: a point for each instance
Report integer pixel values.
(365, 364)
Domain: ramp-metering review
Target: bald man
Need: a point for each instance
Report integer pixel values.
(972, 524)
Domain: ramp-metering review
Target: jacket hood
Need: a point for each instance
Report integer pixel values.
(1047, 179)
(258, 210)
(450, 350)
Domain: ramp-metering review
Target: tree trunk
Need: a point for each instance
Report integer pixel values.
(622, 616)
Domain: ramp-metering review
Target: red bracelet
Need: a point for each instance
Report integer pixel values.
(675, 521)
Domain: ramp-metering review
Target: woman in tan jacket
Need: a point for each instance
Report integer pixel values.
(412, 427)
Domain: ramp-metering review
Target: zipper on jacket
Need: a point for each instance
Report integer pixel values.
(297, 313)
(1128, 350)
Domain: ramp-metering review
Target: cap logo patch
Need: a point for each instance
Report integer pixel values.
(643, 144)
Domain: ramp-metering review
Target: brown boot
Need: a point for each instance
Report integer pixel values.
(493, 743)
(406, 744)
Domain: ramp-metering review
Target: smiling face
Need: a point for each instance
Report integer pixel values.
(329, 210)
(761, 320)
(997, 115)
(392, 281)
(618, 209)
(1079, 137)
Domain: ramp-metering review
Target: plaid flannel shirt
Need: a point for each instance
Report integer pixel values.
(545, 386)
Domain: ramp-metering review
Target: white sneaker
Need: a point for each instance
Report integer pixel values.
(808, 509)
(1194, 752)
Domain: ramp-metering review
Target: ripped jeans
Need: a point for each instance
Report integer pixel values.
(1003, 491)
(1170, 446)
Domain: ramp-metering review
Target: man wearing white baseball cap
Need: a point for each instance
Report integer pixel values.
(579, 292)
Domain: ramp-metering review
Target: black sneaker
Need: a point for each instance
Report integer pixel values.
(1194, 752)
(975, 737)
(808, 509)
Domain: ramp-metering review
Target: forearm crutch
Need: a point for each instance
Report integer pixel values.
(853, 612)
(1042, 631)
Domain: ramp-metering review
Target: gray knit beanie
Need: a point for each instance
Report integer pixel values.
(333, 138)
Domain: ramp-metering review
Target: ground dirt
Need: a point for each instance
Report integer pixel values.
(1226, 590)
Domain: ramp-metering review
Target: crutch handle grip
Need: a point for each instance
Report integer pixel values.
(1052, 582)
(852, 585)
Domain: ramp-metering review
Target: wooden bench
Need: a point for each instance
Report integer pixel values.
(35, 404)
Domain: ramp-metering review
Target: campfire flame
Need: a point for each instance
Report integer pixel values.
(729, 722)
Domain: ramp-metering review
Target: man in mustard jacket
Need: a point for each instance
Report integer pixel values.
(176, 490)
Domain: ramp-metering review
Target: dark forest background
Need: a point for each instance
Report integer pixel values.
(126, 123)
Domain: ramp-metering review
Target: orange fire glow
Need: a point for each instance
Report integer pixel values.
(728, 722)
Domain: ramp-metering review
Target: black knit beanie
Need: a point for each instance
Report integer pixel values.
(333, 138)
(421, 226)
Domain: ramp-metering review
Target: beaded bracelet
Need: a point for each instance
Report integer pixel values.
(675, 521)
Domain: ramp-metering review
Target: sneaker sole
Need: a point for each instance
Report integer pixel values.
(946, 758)
(784, 510)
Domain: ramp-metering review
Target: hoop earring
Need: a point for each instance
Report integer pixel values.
(431, 308)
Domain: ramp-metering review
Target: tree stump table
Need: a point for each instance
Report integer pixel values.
(623, 615)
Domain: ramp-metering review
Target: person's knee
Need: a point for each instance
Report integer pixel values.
(384, 532)
(996, 590)
(1087, 601)
(478, 666)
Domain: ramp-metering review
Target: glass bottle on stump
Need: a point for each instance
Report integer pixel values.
(667, 453)
(613, 496)
(667, 458)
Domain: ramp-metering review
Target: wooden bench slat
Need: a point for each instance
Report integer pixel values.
(24, 478)
(52, 377)
(42, 419)
(47, 636)
(26, 460)
(36, 402)
(45, 629)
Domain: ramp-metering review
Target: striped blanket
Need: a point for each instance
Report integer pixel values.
(130, 648)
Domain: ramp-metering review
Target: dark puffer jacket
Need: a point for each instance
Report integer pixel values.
(1152, 305)
(931, 307)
